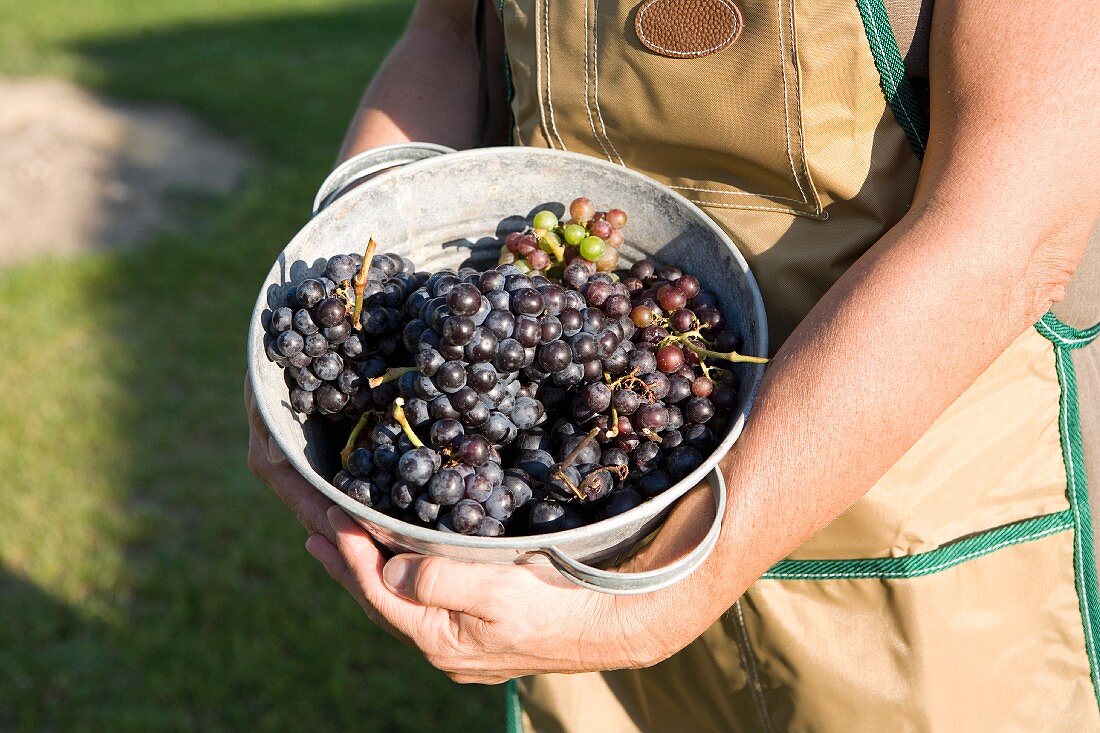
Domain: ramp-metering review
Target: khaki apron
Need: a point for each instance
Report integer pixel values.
(960, 592)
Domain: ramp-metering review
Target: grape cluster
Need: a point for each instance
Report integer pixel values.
(327, 347)
(516, 401)
(594, 238)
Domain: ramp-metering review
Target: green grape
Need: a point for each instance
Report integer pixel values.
(545, 220)
(592, 248)
(522, 266)
(574, 233)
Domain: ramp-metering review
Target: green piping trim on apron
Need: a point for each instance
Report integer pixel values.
(891, 71)
(513, 711)
(1064, 338)
(1073, 456)
(924, 563)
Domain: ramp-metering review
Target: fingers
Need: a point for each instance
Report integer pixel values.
(330, 558)
(365, 562)
(267, 461)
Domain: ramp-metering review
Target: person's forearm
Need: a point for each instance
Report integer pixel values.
(999, 222)
(891, 345)
(426, 90)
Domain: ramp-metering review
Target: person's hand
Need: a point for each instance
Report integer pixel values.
(267, 461)
(489, 623)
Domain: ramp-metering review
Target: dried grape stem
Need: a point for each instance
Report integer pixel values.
(361, 283)
(568, 461)
(389, 376)
(399, 416)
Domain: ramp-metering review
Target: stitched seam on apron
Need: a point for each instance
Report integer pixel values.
(587, 106)
(596, 78)
(738, 193)
(798, 110)
(808, 214)
(748, 660)
(925, 563)
(549, 83)
(1077, 490)
(817, 214)
(538, 80)
(786, 106)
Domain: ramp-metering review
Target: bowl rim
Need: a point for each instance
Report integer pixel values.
(524, 543)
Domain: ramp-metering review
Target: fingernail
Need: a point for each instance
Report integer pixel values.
(311, 543)
(397, 574)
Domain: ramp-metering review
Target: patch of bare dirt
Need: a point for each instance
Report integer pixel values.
(78, 172)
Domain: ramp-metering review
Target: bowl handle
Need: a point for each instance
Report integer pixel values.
(369, 163)
(607, 581)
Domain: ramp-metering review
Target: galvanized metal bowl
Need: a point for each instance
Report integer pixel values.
(447, 209)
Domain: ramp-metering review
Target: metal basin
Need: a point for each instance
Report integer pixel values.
(446, 211)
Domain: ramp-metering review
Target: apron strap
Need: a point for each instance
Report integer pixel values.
(896, 85)
(1061, 334)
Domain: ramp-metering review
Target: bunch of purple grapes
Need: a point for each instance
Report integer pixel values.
(510, 401)
(326, 359)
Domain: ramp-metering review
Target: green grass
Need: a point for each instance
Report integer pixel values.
(147, 581)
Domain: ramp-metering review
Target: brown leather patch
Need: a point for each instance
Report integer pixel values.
(688, 28)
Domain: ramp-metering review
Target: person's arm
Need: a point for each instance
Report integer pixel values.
(426, 89)
(1005, 202)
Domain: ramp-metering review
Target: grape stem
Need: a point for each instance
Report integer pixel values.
(568, 461)
(399, 416)
(614, 431)
(728, 356)
(361, 283)
(557, 250)
(389, 376)
(349, 447)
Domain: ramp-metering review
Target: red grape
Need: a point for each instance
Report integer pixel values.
(601, 229)
(671, 298)
(538, 259)
(669, 358)
(582, 209)
(702, 387)
(682, 320)
(689, 284)
(616, 239)
(642, 316)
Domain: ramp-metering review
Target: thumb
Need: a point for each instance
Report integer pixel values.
(450, 584)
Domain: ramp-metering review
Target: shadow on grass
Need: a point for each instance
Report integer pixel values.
(225, 623)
